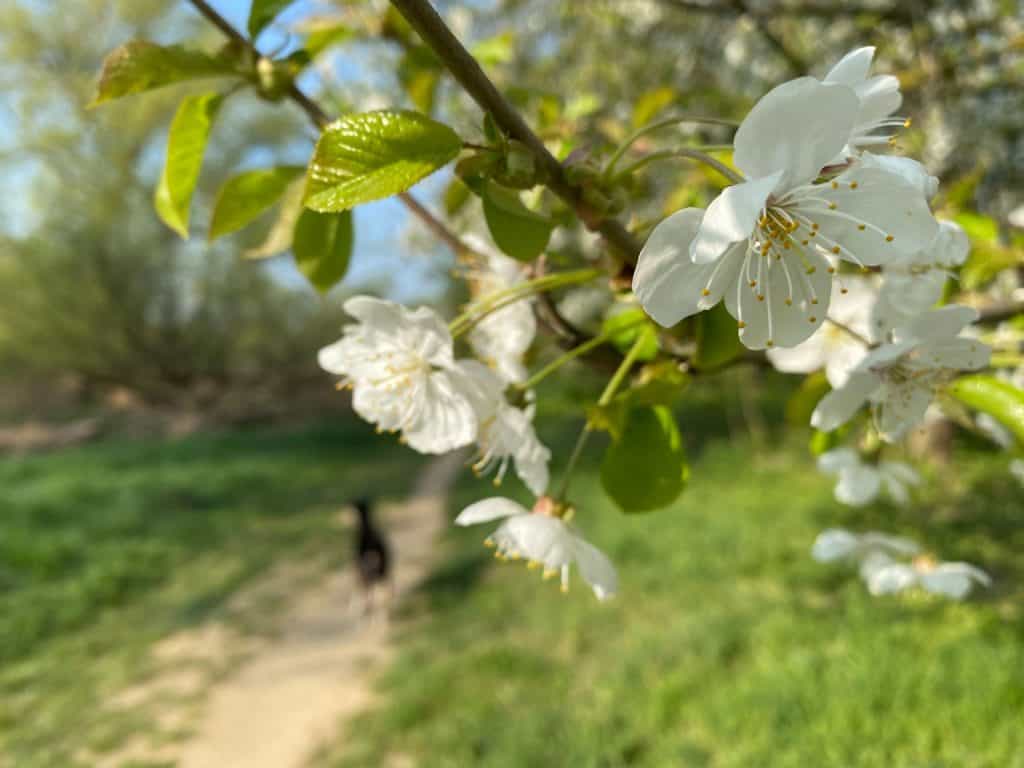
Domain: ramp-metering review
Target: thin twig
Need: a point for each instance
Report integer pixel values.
(465, 69)
(321, 119)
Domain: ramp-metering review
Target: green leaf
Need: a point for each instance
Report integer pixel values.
(624, 328)
(322, 246)
(186, 143)
(495, 50)
(263, 12)
(419, 72)
(245, 196)
(519, 232)
(373, 155)
(279, 238)
(645, 469)
(999, 399)
(659, 383)
(802, 403)
(717, 339)
(456, 195)
(322, 34)
(651, 103)
(140, 65)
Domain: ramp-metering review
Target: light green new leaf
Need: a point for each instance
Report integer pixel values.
(651, 103)
(521, 233)
(999, 399)
(279, 238)
(140, 65)
(322, 34)
(805, 399)
(625, 328)
(186, 143)
(263, 12)
(645, 469)
(245, 196)
(373, 155)
(322, 246)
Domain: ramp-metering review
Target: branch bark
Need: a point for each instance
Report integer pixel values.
(465, 69)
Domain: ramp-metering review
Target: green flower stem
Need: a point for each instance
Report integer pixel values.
(606, 397)
(609, 170)
(692, 154)
(494, 301)
(572, 354)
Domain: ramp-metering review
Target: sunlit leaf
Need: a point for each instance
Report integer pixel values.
(245, 196)
(373, 155)
(999, 399)
(279, 238)
(645, 469)
(519, 232)
(263, 12)
(322, 246)
(626, 327)
(186, 143)
(140, 65)
(651, 103)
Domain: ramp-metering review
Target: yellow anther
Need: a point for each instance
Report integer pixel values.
(814, 301)
(753, 283)
(853, 185)
(789, 302)
(831, 270)
(812, 233)
(741, 325)
(489, 543)
(565, 589)
(889, 238)
(832, 206)
(811, 270)
(496, 482)
(705, 292)
(844, 290)
(835, 249)
(769, 343)
(804, 242)
(812, 319)
(515, 555)
(814, 226)
(760, 297)
(499, 555)
(533, 565)
(786, 245)
(906, 123)
(835, 185)
(861, 227)
(549, 573)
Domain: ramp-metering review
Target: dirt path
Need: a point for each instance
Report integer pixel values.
(292, 695)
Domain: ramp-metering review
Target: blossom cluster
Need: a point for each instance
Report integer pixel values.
(825, 252)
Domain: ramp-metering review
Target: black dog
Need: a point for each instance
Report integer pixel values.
(373, 560)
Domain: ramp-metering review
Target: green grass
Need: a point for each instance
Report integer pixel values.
(727, 646)
(107, 548)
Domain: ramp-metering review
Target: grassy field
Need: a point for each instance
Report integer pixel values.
(108, 548)
(728, 645)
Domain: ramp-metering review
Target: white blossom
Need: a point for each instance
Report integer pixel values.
(832, 347)
(505, 432)
(400, 366)
(900, 378)
(836, 544)
(884, 575)
(763, 244)
(501, 338)
(878, 96)
(914, 283)
(544, 540)
(860, 483)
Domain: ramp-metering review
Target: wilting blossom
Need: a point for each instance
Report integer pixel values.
(544, 541)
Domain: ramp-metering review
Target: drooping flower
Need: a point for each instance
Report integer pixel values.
(914, 283)
(900, 378)
(762, 243)
(544, 540)
(879, 97)
(505, 432)
(502, 337)
(400, 366)
(836, 544)
(884, 576)
(861, 483)
(833, 347)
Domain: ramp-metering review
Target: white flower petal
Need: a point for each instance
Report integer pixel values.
(858, 485)
(907, 168)
(486, 510)
(951, 245)
(443, 417)
(853, 68)
(898, 408)
(796, 128)
(834, 544)
(953, 579)
(883, 203)
(839, 405)
(942, 323)
(667, 283)
(834, 461)
(596, 569)
(959, 354)
(731, 217)
(885, 577)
